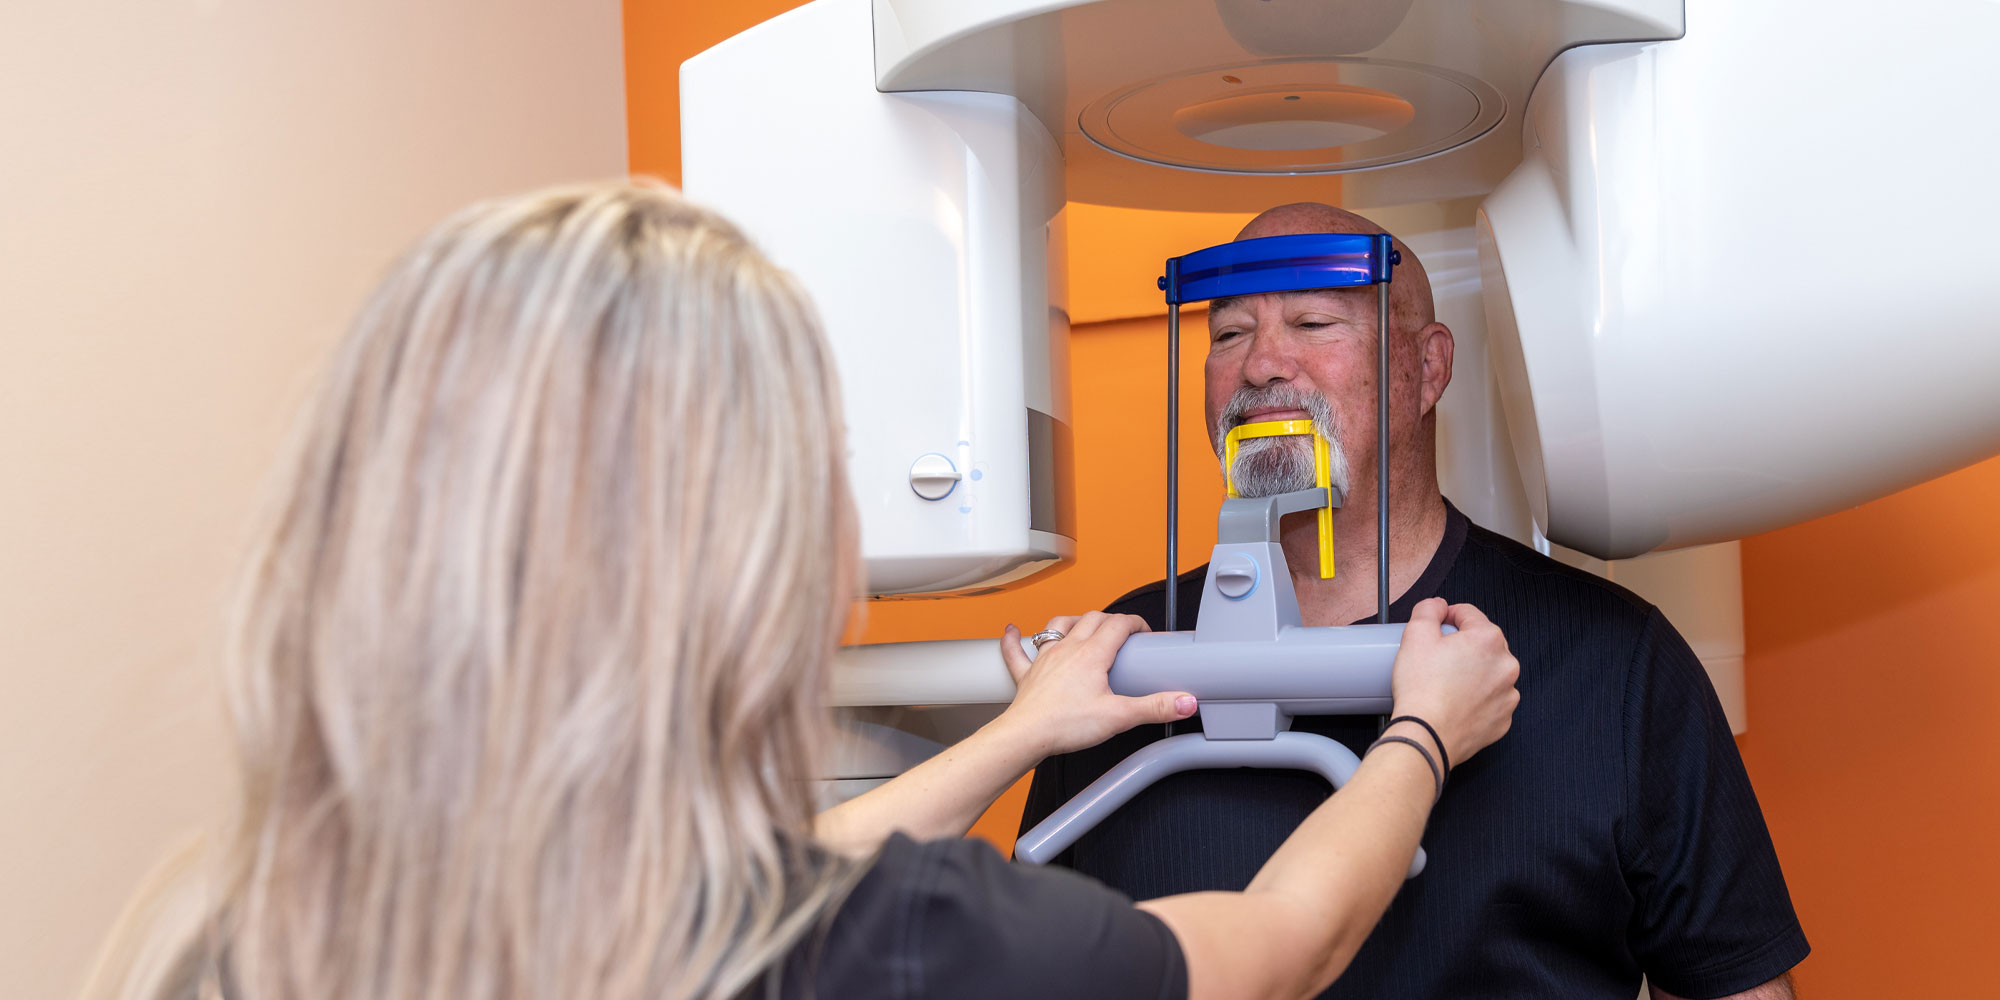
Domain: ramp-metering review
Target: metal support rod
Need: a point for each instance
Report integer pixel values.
(1381, 455)
(1173, 459)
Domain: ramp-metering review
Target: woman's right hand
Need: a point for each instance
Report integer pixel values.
(1063, 698)
(1463, 683)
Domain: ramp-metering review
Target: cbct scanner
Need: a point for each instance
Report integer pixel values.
(1714, 267)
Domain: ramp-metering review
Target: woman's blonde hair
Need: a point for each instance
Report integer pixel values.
(529, 663)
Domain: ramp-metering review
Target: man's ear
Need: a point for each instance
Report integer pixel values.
(1436, 343)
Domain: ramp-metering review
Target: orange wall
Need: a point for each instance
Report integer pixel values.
(659, 36)
(1874, 689)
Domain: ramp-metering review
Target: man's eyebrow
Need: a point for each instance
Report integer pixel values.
(1219, 304)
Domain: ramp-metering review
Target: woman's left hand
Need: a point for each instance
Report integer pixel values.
(1063, 699)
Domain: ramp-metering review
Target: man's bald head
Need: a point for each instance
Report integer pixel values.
(1409, 288)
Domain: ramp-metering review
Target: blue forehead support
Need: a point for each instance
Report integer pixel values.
(1280, 264)
(1296, 263)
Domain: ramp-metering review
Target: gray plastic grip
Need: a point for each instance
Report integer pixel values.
(1304, 670)
(1190, 752)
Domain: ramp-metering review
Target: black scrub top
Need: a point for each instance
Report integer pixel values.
(953, 919)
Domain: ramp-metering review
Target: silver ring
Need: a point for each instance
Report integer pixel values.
(1045, 635)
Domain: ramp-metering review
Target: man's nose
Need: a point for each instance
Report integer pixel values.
(1270, 358)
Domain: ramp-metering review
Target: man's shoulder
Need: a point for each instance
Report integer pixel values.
(1496, 569)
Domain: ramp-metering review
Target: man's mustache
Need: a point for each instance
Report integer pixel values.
(1244, 400)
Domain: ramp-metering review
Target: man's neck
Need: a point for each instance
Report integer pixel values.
(1416, 528)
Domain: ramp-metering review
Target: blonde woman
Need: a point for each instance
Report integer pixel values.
(528, 674)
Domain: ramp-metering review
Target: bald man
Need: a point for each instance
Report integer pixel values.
(1611, 834)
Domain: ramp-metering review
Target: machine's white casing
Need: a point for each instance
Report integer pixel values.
(1699, 330)
(927, 229)
(1728, 270)
(1744, 278)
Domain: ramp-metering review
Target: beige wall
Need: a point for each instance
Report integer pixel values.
(193, 198)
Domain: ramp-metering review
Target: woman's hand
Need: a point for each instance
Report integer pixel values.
(1063, 699)
(1462, 684)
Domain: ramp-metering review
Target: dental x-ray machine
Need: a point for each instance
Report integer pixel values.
(1723, 265)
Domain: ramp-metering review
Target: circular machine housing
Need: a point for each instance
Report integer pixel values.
(1294, 116)
(1404, 100)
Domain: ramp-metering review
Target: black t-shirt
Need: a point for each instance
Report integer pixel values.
(1612, 832)
(953, 919)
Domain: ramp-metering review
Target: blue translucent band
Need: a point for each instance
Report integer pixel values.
(1280, 264)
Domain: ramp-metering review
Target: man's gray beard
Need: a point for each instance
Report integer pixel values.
(1273, 465)
(1270, 466)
